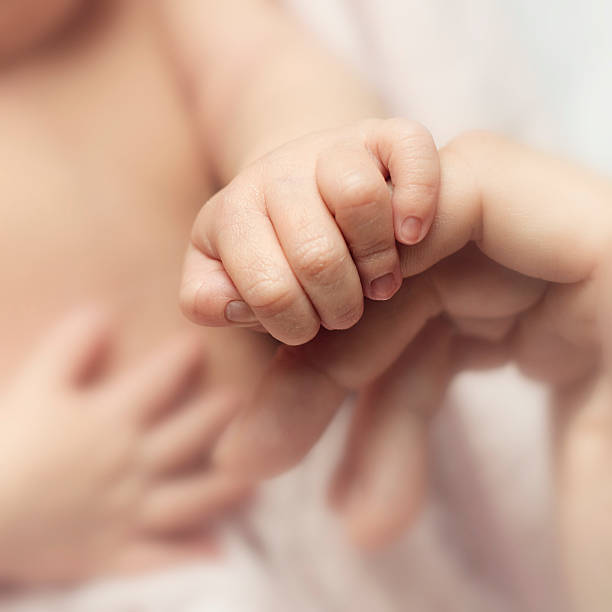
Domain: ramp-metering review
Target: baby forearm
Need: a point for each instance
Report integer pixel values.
(295, 87)
(259, 80)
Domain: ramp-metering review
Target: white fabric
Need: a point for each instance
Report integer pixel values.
(480, 546)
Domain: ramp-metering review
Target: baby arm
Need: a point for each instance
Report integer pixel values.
(267, 248)
(534, 213)
(258, 79)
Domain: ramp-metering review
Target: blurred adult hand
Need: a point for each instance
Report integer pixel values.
(510, 270)
(584, 461)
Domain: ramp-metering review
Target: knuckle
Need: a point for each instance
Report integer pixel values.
(319, 261)
(348, 316)
(408, 128)
(229, 201)
(415, 143)
(423, 189)
(414, 149)
(270, 296)
(195, 301)
(421, 156)
(472, 140)
(375, 250)
(358, 190)
(244, 192)
(303, 333)
(221, 214)
(188, 301)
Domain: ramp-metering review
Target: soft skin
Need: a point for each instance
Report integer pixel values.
(525, 230)
(105, 474)
(118, 121)
(300, 236)
(505, 217)
(515, 267)
(28, 24)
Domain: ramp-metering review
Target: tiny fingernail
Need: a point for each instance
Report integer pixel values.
(239, 312)
(383, 288)
(410, 231)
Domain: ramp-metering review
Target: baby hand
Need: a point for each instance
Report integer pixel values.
(299, 237)
(107, 473)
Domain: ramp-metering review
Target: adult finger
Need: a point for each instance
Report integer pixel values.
(382, 480)
(583, 428)
(304, 386)
(160, 382)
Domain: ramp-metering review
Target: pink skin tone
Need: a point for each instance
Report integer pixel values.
(584, 451)
(492, 254)
(24, 24)
(263, 96)
(506, 216)
(90, 215)
(106, 473)
(298, 238)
